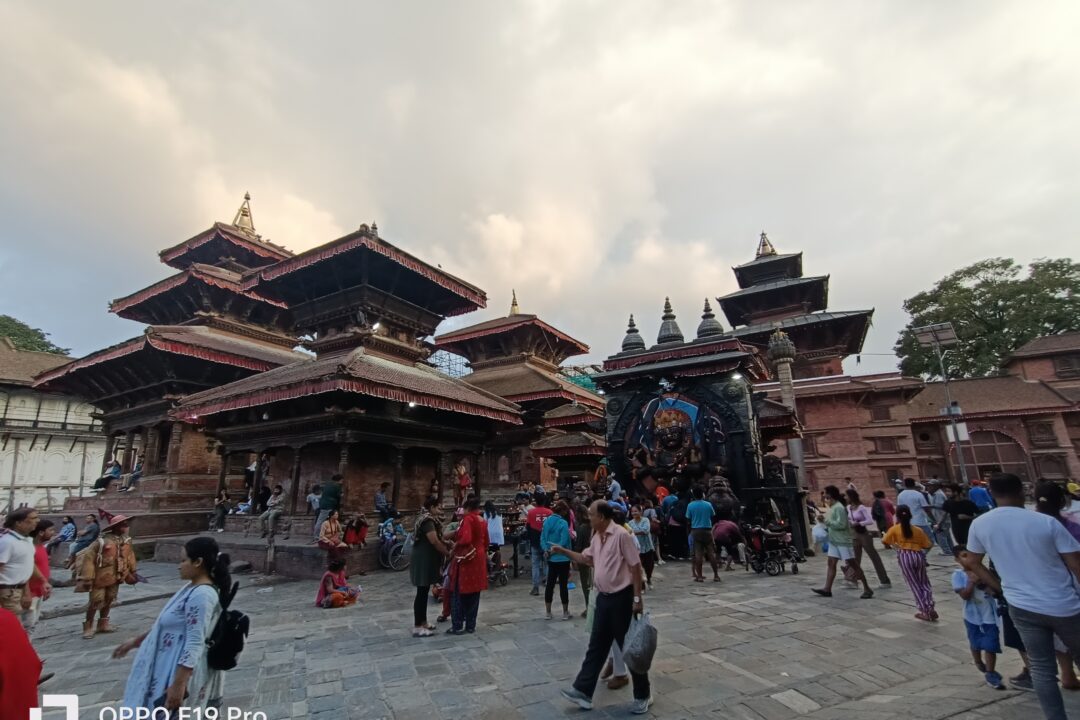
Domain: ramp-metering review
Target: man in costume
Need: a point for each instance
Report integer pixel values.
(102, 567)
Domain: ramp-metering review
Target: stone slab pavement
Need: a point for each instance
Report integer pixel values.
(751, 648)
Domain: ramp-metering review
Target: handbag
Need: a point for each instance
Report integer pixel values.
(639, 645)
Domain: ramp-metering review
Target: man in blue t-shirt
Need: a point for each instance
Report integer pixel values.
(979, 495)
(699, 515)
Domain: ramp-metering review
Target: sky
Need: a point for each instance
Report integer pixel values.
(595, 156)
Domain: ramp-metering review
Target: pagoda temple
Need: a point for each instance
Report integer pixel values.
(366, 404)
(207, 326)
(519, 358)
(773, 293)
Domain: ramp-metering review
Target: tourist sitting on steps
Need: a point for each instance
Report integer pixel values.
(274, 507)
(112, 472)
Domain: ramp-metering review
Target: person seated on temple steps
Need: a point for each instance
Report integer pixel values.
(130, 480)
(268, 520)
(112, 472)
(382, 503)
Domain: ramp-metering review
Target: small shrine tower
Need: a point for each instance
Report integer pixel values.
(773, 292)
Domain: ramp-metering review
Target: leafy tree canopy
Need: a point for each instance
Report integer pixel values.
(995, 309)
(27, 338)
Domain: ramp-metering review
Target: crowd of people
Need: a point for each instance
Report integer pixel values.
(1029, 594)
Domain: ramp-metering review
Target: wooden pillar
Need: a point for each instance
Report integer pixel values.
(399, 466)
(477, 459)
(144, 440)
(172, 462)
(224, 455)
(294, 474)
(442, 474)
(110, 448)
(151, 450)
(343, 465)
(127, 461)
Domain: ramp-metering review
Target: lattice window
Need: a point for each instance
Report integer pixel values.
(1067, 366)
(810, 447)
(926, 439)
(886, 445)
(892, 474)
(881, 413)
(1042, 433)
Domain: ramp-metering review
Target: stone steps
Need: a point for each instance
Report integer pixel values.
(296, 557)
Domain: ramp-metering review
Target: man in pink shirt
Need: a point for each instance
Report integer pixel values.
(613, 555)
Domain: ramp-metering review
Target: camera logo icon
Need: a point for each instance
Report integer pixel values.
(70, 704)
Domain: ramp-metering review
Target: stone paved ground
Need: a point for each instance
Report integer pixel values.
(751, 648)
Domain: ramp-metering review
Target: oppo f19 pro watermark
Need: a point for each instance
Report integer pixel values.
(70, 705)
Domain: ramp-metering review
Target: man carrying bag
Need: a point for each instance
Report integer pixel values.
(613, 555)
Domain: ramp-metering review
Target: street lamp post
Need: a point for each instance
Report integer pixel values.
(937, 336)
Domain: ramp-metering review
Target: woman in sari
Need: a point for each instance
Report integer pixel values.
(334, 588)
(331, 534)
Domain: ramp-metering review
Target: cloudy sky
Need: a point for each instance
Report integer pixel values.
(596, 156)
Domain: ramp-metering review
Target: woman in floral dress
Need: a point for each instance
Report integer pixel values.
(170, 669)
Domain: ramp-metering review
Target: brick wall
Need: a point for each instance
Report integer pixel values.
(193, 457)
(845, 441)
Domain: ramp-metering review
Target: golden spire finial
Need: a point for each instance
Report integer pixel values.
(514, 309)
(243, 219)
(764, 246)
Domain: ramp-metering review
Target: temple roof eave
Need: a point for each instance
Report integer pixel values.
(861, 319)
(179, 340)
(356, 372)
(457, 341)
(207, 275)
(469, 297)
(176, 255)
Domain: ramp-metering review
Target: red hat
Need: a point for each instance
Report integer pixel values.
(117, 520)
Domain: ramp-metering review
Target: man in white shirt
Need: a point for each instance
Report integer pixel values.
(940, 519)
(17, 559)
(1039, 564)
(916, 502)
(614, 490)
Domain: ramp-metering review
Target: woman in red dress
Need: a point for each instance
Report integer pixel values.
(468, 569)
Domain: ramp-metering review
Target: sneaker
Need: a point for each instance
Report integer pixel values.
(578, 698)
(884, 586)
(867, 595)
(547, 616)
(567, 616)
(1022, 681)
(993, 679)
(640, 707)
(221, 530)
(534, 591)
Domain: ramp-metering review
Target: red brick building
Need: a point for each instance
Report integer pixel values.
(1026, 422)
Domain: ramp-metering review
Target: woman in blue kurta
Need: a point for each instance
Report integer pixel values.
(556, 531)
(170, 669)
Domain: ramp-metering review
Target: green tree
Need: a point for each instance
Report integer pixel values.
(27, 338)
(995, 309)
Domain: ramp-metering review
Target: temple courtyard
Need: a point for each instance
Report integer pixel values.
(753, 648)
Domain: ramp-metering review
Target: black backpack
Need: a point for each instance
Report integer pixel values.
(227, 640)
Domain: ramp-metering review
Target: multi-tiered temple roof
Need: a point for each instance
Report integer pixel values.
(205, 329)
(518, 357)
(365, 307)
(774, 293)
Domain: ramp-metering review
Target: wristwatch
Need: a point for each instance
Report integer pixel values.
(637, 599)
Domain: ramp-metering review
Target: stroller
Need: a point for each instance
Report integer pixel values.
(769, 550)
(496, 568)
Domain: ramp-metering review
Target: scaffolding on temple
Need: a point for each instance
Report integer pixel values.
(449, 363)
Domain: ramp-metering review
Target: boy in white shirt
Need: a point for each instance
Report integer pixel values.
(980, 619)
